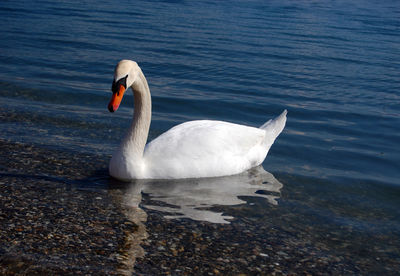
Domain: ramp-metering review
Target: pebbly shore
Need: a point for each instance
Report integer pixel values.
(62, 214)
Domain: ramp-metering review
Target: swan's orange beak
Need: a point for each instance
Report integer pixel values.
(116, 99)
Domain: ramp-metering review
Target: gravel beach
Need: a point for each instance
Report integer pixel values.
(62, 214)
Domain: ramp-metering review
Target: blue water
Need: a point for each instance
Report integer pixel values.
(334, 65)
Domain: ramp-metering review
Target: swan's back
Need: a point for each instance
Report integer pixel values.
(209, 148)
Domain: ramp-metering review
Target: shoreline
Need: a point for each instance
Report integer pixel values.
(63, 214)
(51, 223)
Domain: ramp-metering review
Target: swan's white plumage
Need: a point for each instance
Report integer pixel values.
(193, 149)
(207, 148)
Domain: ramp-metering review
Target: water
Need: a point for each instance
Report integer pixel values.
(334, 65)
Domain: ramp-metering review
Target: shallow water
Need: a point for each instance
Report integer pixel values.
(334, 66)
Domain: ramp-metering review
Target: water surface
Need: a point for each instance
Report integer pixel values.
(334, 65)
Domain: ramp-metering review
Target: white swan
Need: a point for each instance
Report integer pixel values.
(190, 150)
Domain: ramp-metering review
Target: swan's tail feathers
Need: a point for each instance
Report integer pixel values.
(275, 126)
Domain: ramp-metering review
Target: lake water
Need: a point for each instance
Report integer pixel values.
(333, 65)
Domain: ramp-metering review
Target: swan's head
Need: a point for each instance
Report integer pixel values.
(125, 74)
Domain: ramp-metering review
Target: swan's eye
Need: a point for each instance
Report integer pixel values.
(116, 84)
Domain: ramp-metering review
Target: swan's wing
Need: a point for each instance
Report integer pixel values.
(209, 148)
(202, 138)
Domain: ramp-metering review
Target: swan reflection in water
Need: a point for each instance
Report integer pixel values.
(186, 198)
(192, 198)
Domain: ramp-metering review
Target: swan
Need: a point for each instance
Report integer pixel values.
(194, 149)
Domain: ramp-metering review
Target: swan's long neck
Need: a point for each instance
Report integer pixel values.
(136, 138)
